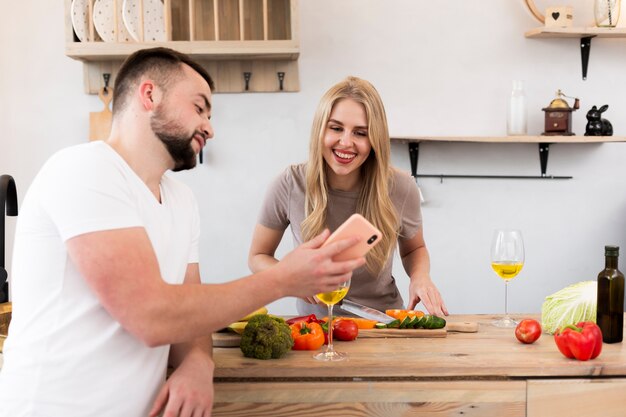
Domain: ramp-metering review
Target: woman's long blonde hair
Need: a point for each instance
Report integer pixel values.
(374, 202)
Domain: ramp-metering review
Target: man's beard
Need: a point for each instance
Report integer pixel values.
(176, 140)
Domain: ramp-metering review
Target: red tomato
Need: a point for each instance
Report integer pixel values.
(345, 330)
(528, 331)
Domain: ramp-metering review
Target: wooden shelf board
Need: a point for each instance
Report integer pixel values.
(576, 32)
(511, 139)
(222, 50)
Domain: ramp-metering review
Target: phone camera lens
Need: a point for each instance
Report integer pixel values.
(372, 239)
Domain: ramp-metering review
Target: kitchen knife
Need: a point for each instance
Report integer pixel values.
(364, 311)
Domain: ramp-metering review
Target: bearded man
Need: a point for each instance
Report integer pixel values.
(106, 283)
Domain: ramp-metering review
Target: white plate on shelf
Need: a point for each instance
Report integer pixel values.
(153, 20)
(104, 22)
(80, 19)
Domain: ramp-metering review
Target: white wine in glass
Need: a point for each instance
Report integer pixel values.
(330, 299)
(507, 260)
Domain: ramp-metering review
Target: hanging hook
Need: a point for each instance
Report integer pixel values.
(281, 78)
(106, 77)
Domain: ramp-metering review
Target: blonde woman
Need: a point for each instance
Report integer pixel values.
(349, 172)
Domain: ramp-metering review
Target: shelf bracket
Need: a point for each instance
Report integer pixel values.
(414, 151)
(544, 149)
(585, 49)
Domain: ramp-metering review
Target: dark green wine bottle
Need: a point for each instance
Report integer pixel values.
(610, 313)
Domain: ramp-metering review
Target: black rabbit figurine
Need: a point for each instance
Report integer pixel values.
(596, 125)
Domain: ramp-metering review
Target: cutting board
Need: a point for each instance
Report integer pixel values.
(100, 122)
(5, 317)
(227, 339)
(460, 327)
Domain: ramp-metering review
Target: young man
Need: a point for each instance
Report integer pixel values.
(104, 239)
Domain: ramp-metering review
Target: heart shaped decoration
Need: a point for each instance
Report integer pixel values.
(556, 15)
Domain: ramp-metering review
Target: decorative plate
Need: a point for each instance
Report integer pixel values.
(123, 34)
(153, 21)
(104, 22)
(80, 19)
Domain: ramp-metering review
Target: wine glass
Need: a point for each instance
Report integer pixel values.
(330, 299)
(507, 259)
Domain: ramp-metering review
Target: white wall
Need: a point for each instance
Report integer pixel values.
(442, 69)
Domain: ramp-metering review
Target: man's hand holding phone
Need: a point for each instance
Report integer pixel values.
(358, 230)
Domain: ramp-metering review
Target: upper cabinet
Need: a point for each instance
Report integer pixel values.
(246, 45)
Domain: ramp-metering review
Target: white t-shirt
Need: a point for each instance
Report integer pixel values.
(65, 355)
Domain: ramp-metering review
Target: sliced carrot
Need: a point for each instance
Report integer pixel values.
(397, 314)
(415, 313)
(361, 323)
(402, 314)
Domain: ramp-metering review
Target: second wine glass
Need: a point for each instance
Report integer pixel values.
(330, 299)
(507, 260)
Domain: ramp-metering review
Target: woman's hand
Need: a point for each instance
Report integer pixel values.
(423, 289)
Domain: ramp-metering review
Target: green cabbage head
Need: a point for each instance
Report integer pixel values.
(570, 305)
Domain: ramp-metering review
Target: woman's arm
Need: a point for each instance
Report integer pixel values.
(416, 263)
(263, 247)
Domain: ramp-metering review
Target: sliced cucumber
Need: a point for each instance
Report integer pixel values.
(417, 322)
(438, 323)
(406, 323)
(394, 324)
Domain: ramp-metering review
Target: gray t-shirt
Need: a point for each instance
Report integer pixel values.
(284, 206)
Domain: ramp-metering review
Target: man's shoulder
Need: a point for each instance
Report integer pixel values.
(74, 161)
(81, 154)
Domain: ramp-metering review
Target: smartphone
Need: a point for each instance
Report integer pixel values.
(356, 225)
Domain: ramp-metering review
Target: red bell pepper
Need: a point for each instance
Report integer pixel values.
(306, 336)
(593, 328)
(311, 318)
(582, 342)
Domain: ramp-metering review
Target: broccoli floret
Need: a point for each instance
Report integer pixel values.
(266, 337)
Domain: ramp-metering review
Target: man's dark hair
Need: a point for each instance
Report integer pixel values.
(162, 64)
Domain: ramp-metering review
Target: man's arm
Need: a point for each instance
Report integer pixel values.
(121, 268)
(265, 241)
(190, 387)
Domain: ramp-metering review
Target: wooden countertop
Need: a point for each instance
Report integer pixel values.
(492, 353)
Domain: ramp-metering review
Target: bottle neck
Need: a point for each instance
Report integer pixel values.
(610, 262)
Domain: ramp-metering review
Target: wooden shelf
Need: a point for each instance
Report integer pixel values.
(584, 34)
(220, 50)
(247, 46)
(544, 143)
(576, 32)
(511, 139)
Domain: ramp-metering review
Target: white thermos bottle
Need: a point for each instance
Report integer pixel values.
(516, 121)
